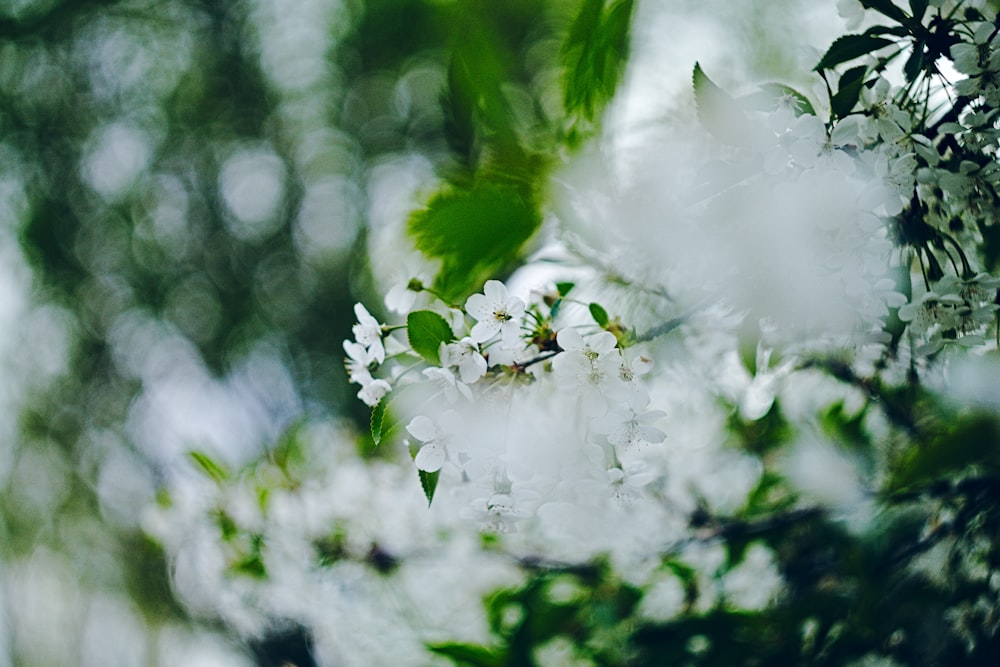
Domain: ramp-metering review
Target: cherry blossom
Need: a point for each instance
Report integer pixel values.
(589, 367)
(368, 332)
(466, 356)
(436, 439)
(496, 312)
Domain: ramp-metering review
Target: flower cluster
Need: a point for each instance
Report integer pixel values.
(794, 299)
(511, 400)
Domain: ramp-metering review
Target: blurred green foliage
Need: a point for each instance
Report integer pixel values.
(190, 182)
(195, 177)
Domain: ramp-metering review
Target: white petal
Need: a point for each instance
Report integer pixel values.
(496, 291)
(603, 342)
(477, 306)
(431, 457)
(570, 339)
(641, 365)
(472, 368)
(364, 317)
(510, 333)
(357, 352)
(651, 434)
(514, 307)
(423, 429)
(400, 299)
(484, 330)
(377, 351)
(373, 392)
(571, 364)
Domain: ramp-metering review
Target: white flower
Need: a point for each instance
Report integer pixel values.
(893, 183)
(450, 387)
(758, 396)
(593, 347)
(357, 362)
(434, 451)
(373, 391)
(368, 332)
(755, 582)
(636, 395)
(519, 354)
(500, 511)
(496, 312)
(931, 308)
(625, 482)
(465, 355)
(402, 296)
(981, 55)
(626, 427)
(851, 11)
(591, 368)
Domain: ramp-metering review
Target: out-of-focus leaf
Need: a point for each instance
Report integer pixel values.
(594, 55)
(764, 434)
(288, 452)
(252, 564)
(973, 441)
(719, 113)
(209, 466)
(887, 8)
(469, 654)
(848, 48)
(426, 330)
(478, 107)
(772, 494)
(485, 125)
(475, 232)
(848, 430)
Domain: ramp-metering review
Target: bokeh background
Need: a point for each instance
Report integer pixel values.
(193, 194)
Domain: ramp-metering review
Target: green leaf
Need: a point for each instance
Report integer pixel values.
(426, 330)
(475, 232)
(476, 108)
(429, 482)
(251, 566)
(887, 8)
(971, 441)
(378, 415)
(208, 465)
(469, 654)
(772, 494)
(718, 113)
(897, 30)
(564, 288)
(599, 314)
(850, 47)
(594, 56)
(682, 571)
(918, 7)
(253, 563)
(288, 451)
(848, 91)
(915, 63)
